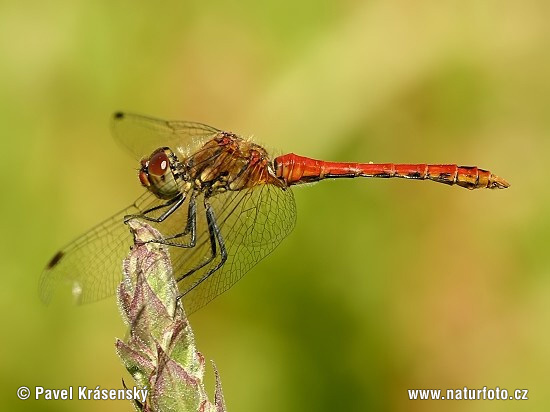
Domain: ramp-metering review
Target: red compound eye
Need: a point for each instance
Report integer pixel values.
(158, 164)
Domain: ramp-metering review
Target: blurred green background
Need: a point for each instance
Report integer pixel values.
(384, 285)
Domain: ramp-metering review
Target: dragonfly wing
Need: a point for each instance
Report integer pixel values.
(252, 223)
(92, 264)
(141, 135)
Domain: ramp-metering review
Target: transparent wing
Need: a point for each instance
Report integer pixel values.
(141, 135)
(91, 265)
(252, 223)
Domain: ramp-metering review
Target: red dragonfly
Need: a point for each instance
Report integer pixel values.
(221, 203)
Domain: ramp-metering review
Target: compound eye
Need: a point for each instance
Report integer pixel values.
(158, 164)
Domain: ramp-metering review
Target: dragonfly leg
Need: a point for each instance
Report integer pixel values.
(215, 237)
(190, 227)
(174, 204)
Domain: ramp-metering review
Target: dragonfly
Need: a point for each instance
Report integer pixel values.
(221, 203)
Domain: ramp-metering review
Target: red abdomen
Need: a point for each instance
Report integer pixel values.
(294, 169)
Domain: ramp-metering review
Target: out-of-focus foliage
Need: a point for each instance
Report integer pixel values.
(385, 285)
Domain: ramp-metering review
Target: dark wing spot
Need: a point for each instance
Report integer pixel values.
(55, 260)
(119, 115)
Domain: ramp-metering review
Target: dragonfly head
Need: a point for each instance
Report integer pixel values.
(158, 173)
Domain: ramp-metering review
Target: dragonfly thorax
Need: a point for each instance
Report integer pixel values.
(229, 163)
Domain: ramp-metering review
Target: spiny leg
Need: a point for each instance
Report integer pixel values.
(215, 236)
(190, 227)
(174, 204)
(213, 248)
